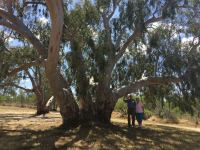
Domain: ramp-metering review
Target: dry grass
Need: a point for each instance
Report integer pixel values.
(20, 131)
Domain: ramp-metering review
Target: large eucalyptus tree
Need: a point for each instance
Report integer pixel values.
(98, 34)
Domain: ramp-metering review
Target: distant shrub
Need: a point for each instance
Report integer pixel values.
(176, 111)
(147, 114)
(121, 107)
(170, 116)
(19, 101)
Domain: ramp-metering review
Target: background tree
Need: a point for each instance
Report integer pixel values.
(14, 70)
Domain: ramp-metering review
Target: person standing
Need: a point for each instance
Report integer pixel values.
(139, 112)
(131, 105)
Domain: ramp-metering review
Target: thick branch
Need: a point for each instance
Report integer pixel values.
(36, 88)
(153, 19)
(134, 37)
(106, 22)
(35, 3)
(31, 78)
(114, 60)
(12, 22)
(137, 33)
(15, 85)
(56, 12)
(25, 66)
(134, 87)
(119, 39)
(107, 29)
(2, 43)
(115, 3)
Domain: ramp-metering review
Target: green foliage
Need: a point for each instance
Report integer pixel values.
(79, 21)
(147, 113)
(121, 106)
(154, 39)
(4, 98)
(171, 116)
(20, 100)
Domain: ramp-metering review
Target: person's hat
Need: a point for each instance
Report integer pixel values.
(129, 95)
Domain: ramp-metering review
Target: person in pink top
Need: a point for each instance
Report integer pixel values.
(139, 111)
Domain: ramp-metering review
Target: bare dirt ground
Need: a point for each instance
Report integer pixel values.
(20, 131)
(181, 124)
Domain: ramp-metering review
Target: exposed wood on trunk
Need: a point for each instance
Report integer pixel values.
(49, 101)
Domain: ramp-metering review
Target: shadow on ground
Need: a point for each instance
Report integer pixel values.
(116, 136)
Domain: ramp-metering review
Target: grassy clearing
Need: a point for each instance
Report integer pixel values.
(18, 130)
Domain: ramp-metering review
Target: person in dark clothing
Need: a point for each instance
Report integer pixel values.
(131, 104)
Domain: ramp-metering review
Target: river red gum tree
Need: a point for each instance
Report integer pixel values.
(96, 106)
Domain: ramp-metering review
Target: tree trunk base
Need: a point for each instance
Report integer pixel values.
(86, 120)
(101, 118)
(98, 117)
(42, 112)
(91, 123)
(70, 123)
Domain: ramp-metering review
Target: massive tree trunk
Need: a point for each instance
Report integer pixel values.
(100, 110)
(103, 113)
(104, 104)
(61, 90)
(68, 107)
